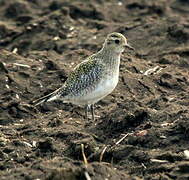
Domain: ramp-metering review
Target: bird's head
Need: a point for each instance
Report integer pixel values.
(116, 42)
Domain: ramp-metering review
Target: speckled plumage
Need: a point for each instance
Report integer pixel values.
(83, 79)
(94, 78)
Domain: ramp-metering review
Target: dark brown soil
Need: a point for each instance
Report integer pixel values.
(41, 42)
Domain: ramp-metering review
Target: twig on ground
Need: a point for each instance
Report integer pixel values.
(83, 154)
(102, 153)
(85, 163)
(87, 175)
(21, 65)
(118, 142)
(122, 139)
(152, 71)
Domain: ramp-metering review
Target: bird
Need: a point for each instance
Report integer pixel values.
(94, 78)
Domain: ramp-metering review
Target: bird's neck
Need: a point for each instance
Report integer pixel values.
(110, 57)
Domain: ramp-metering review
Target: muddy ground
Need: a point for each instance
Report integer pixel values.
(142, 131)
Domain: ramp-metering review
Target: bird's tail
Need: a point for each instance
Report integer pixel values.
(49, 97)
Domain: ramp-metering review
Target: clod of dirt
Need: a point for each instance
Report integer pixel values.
(183, 167)
(81, 11)
(95, 171)
(179, 33)
(139, 156)
(181, 171)
(55, 5)
(181, 128)
(46, 146)
(120, 121)
(50, 65)
(170, 59)
(74, 150)
(24, 19)
(146, 9)
(171, 157)
(167, 81)
(119, 153)
(3, 69)
(16, 9)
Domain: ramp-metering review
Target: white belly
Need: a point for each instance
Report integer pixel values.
(104, 88)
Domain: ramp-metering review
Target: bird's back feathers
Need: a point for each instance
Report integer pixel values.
(84, 76)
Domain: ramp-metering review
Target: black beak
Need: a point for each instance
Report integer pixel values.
(129, 47)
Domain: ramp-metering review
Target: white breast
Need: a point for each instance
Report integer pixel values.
(105, 87)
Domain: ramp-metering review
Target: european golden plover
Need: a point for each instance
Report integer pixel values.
(94, 78)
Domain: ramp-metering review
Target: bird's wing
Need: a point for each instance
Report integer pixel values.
(84, 76)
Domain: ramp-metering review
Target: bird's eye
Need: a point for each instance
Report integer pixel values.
(117, 41)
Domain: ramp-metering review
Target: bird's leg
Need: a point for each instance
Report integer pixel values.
(86, 111)
(92, 112)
